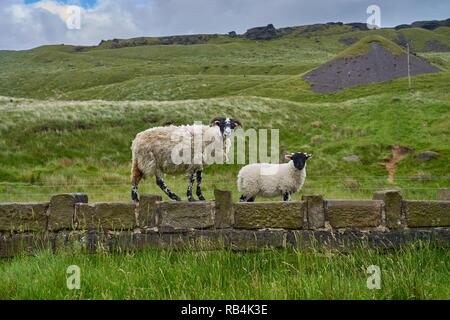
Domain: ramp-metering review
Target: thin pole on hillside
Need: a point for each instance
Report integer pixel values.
(409, 68)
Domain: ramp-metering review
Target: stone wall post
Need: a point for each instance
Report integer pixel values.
(147, 213)
(61, 213)
(314, 211)
(392, 206)
(224, 210)
(443, 194)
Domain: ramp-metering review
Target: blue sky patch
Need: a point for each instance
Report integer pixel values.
(83, 3)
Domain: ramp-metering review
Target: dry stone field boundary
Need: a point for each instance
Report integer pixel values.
(68, 220)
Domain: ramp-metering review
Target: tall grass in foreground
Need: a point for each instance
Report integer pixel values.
(416, 271)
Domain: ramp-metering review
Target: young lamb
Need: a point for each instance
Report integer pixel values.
(153, 153)
(269, 180)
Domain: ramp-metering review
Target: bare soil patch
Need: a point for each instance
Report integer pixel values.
(398, 153)
(378, 65)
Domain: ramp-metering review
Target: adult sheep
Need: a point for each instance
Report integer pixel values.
(269, 180)
(154, 151)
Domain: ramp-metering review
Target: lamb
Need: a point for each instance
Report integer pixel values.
(174, 150)
(269, 180)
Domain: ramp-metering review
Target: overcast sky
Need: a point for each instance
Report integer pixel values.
(29, 23)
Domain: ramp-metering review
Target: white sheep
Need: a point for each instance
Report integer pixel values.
(177, 150)
(269, 180)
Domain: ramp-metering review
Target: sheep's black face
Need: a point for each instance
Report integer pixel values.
(226, 125)
(299, 159)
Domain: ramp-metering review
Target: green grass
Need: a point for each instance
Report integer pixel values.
(143, 72)
(67, 120)
(416, 271)
(54, 145)
(85, 146)
(363, 46)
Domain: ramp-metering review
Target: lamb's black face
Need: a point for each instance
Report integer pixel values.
(299, 159)
(226, 125)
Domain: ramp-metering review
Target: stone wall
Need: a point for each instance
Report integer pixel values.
(69, 220)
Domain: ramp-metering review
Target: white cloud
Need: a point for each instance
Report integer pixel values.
(26, 26)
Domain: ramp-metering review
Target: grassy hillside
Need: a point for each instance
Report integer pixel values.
(224, 66)
(363, 47)
(80, 143)
(55, 145)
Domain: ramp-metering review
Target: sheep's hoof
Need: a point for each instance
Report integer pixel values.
(201, 198)
(134, 196)
(191, 199)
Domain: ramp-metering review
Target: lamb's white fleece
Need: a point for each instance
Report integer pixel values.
(269, 180)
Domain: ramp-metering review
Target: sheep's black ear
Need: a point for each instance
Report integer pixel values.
(288, 157)
(215, 122)
(237, 122)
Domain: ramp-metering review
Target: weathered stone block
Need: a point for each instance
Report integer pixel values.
(114, 216)
(75, 241)
(147, 213)
(83, 217)
(314, 211)
(257, 215)
(62, 210)
(392, 206)
(427, 213)
(24, 243)
(224, 209)
(443, 194)
(186, 215)
(22, 217)
(353, 213)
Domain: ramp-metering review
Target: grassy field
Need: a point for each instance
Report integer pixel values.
(418, 271)
(54, 145)
(49, 147)
(67, 119)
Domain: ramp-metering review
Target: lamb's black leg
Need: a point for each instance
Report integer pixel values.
(189, 190)
(160, 182)
(199, 186)
(287, 196)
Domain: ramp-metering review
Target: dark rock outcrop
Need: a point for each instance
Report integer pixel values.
(348, 41)
(262, 33)
(430, 24)
(427, 156)
(358, 26)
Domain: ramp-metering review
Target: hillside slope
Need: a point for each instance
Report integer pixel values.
(222, 66)
(85, 146)
(53, 145)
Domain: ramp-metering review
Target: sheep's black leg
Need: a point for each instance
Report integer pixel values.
(287, 196)
(136, 176)
(243, 198)
(189, 190)
(160, 182)
(199, 186)
(134, 193)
